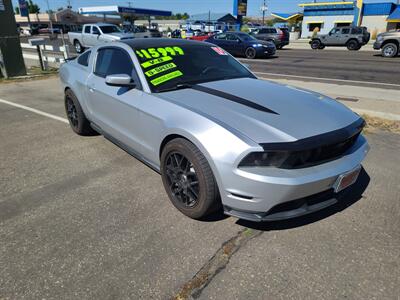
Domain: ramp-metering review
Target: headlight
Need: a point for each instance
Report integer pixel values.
(379, 38)
(257, 45)
(265, 159)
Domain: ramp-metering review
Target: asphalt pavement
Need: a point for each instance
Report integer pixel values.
(81, 219)
(365, 68)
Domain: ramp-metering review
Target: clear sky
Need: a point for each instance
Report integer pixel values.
(189, 6)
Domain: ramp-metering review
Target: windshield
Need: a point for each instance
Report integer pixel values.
(109, 29)
(245, 37)
(170, 67)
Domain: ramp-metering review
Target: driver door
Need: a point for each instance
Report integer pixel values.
(333, 37)
(112, 108)
(233, 44)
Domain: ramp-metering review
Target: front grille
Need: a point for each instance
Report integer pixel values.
(318, 155)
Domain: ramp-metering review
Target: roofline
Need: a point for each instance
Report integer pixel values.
(290, 17)
(325, 3)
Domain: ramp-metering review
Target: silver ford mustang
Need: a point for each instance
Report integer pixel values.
(220, 137)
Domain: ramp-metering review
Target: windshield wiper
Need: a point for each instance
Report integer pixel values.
(180, 86)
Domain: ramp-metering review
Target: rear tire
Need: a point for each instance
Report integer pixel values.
(353, 45)
(316, 44)
(76, 117)
(78, 47)
(189, 180)
(250, 53)
(390, 50)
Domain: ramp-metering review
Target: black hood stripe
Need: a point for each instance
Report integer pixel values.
(233, 98)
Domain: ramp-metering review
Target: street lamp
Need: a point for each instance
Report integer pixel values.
(263, 8)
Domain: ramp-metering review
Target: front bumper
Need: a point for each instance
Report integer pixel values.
(266, 51)
(260, 194)
(377, 45)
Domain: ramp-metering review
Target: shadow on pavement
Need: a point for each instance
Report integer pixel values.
(346, 199)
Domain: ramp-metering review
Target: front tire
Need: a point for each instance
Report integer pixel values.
(250, 53)
(76, 117)
(316, 44)
(78, 47)
(390, 50)
(189, 180)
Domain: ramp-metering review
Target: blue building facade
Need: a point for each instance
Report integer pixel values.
(326, 15)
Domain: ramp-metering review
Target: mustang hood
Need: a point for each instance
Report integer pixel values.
(265, 111)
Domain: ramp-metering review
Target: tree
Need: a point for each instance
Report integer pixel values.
(16, 9)
(60, 8)
(33, 7)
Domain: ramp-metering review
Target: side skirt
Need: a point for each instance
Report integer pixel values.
(126, 148)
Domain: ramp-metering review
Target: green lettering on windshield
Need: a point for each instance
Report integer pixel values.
(160, 69)
(157, 61)
(166, 77)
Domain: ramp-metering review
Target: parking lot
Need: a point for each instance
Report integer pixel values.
(80, 219)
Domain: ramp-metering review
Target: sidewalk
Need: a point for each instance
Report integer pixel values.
(376, 102)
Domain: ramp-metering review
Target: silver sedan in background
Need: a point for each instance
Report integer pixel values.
(220, 137)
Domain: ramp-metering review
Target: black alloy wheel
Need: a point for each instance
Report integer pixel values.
(76, 117)
(251, 53)
(72, 114)
(188, 179)
(353, 45)
(315, 44)
(182, 179)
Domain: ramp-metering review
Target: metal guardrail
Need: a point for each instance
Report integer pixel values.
(54, 55)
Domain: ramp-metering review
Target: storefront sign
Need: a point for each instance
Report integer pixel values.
(23, 8)
(240, 8)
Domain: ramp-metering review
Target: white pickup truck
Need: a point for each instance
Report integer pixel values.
(94, 34)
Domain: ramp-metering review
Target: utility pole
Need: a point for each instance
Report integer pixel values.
(11, 60)
(50, 16)
(264, 8)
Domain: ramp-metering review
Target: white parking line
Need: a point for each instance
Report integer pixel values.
(328, 79)
(36, 111)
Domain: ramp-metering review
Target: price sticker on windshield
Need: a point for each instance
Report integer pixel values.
(151, 53)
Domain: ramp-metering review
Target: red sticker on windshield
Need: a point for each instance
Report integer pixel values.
(219, 50)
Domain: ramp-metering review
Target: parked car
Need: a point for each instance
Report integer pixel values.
(220, 137)
(200, 36)
(350, 36)
(389, 42)
(49, 30)
(280, 37)
(242, 44)
(94, 34)
(144, 32)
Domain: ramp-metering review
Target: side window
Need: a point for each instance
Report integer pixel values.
(335, 30)
(83, 59)
(87, 29)
(221, 36)
(95, 30)
(345, 30)
(356, 31)
(231, 37)
(263, 31)
(113, 61)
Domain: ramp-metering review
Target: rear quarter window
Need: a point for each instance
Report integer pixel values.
(356, 31)
(83, 59)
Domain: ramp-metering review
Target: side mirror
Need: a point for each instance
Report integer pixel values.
(121, 80)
